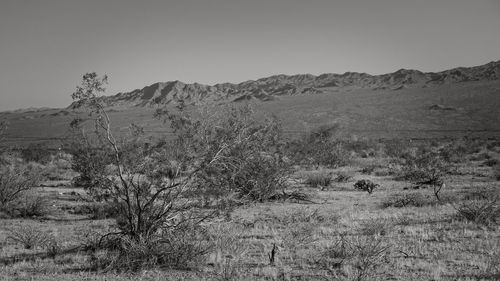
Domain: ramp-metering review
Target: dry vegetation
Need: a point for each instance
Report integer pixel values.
(231, 199)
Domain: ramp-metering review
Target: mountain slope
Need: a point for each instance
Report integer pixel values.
(271, 88)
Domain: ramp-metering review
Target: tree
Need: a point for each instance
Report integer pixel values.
(160, 187)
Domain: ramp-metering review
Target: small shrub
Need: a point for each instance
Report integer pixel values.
(52, 247)
(260, 178)
(453, 152)
(59, 168)
(36, 153)
(483, 156)
(424, 168)
(369, 169)
(343, 177)
(383, 172)
(299, 216)
(396, 148)
(91, 164)
(15, 181)
(333, 257)
(320, 148)
(228, 250)
(478, 194)
(358, 258)
(375, 227)
(366, 185)
(406, 200)
(492, 162)
(31, 205)
(318, 179)
(93, 241)
(183, 248)
(484, 212)
(370, 255)
(492, 269)
(30, 237)
(97, 210)
(496, 172)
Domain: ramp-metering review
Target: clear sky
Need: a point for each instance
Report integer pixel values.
(47, 45)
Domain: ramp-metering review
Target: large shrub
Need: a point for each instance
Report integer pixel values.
(159, 189)
(248, 152)
(320, 148)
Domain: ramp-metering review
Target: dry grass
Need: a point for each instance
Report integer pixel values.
(344, 235)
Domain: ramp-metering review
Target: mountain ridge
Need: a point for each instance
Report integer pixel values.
(272, 87)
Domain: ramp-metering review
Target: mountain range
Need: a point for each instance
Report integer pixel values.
(274, 87)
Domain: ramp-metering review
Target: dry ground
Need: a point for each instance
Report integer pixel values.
(430, 242)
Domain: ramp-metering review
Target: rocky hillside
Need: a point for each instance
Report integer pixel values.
(273, 87)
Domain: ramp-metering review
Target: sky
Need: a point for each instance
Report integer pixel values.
(47, 45)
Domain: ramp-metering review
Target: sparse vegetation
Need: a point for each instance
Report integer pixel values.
(366, 185)
(320, 179)
(359, 259)
(407, 200)
(343, 177)
(485, 211)
(97, 210)
(424, 168)
(3, 128)
(320, 148)
(29, 205)
(160, 190)
(496, 172)
(15, 181)
(229, 198)
(35, 153)
(28, 236)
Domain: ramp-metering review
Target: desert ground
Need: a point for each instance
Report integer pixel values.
(335, 184)
(398, 232)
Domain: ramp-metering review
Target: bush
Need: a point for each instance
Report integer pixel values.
(36, 153)
(484, 212)
(396, 148)
(375, 227)
(320, 148)
(29, 236)
(424, 168)
(59, 168)
(454, 152)
(31, 205)
(358, 258)
(53, 247)
(91, 164)
(162, 188)
(97, 210)
(260, 178)
(366, 185)
(15, 181)
(406, 200)
(492, 162)
(318, 179)
(368, 169)
(248, 151)
(183, 248)
(343, 177)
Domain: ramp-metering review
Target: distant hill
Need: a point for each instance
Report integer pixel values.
(403, 104)
(274, 87)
